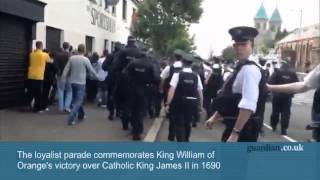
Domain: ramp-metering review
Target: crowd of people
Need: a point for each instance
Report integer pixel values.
(131, 83)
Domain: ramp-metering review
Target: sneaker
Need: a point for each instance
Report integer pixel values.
(67, 110)
(82, 119)
(103, 106)
(72, 123)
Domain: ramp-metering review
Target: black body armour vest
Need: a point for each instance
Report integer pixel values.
(141, 73)
(167, 80)
(227, 102)
(186, 92)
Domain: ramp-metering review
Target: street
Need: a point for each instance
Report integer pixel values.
(300, 117)
(19, 125)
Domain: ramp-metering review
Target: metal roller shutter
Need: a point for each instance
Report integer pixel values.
(53, 39)
(14, 46)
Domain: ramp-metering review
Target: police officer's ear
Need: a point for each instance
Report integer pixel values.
(252, 43)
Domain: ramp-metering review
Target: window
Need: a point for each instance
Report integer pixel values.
(257, 25)
(93, 1)
(273, 28)
(112, 45)
(89, 43)
(114, 10)
(106, 44)
(124, 9)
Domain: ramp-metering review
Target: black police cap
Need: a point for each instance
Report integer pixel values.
(178, 52)
(188, 58)
(197, 57)
(243, 33)
(131, 38)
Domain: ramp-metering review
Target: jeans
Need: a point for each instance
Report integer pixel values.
(64, 93)
(102, 93)
(78, 93)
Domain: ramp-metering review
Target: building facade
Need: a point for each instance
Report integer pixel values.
(268, 28)
(18, 20)
(94, 23)
(301, 47)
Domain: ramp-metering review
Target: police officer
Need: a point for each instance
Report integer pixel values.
(166, 76)
(108, 65)
(184, 97)
(198, 67)
(215, 83)
(141, 72)
(311, 81)
(281, 103)
(169, 70)
(154, 96)
(239, 102)
(126, 55)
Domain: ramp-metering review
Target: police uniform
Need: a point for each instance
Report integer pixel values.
(108, 65)
(185, 101)
(126, 55)
(198, 67)
(245, 89)
(168, 71)
(281, 102)
(215, 83)
(166, 75)
(141, 73)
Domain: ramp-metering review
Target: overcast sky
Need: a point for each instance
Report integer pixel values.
(221, 15)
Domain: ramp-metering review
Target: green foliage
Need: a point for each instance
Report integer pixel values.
(164, 24)
(280, 35)
(264, 50)
(269, 43)
(228, 53)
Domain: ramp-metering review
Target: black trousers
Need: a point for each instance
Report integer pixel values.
(182, 115)
(92, 89)
(35, 88)
(45, 94)
(281, 107)
(154, 100)
(172, 127)
(249, 133)
(159, 99)
(110, 98)
(151, 99)
(122, 100)
(137, 104)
